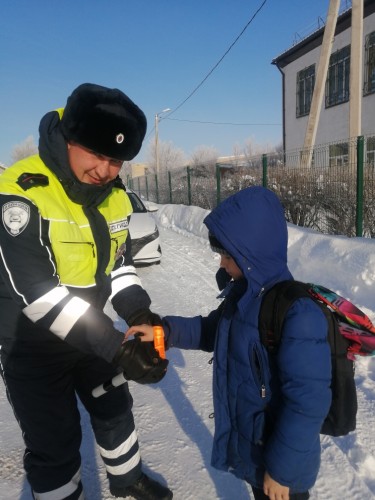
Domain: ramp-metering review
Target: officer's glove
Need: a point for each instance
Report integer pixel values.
(144, 317)
(141, 362)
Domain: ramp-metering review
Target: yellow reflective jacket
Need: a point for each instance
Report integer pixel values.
(71, 239)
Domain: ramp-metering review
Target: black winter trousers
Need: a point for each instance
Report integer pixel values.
(43, 379)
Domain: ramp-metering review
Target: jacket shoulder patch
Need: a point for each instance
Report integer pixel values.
(15, 216)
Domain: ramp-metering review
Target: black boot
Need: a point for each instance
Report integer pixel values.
(144, 489)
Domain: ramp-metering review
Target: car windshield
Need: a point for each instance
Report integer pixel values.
(138, 206)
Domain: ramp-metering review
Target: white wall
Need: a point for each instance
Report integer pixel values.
(334, 121)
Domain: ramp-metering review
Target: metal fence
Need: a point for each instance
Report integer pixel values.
(330, 188)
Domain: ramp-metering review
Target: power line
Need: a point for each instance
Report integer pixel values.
(224, 123)
(217, 123)
(209, 74)
(220, 60)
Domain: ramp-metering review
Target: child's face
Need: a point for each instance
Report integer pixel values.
(230, 266)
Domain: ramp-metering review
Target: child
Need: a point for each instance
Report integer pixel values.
(268, 413)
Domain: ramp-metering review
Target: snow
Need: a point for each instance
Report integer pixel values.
(173, 418)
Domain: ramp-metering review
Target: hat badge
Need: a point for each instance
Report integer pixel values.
(120, 138)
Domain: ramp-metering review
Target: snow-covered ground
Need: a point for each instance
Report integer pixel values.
(173, 418)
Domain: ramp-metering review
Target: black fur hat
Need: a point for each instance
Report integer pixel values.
(104, 120)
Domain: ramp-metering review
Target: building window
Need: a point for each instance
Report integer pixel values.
(305, 87)
(370, 151)
(339, 154)
(337, 85)
(369, 87)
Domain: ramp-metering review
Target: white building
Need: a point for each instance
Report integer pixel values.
(298, 66)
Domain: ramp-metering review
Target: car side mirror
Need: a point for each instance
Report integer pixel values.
(151, 207)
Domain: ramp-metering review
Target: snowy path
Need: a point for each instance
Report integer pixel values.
(175, 430)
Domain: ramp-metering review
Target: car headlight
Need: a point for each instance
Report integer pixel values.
(139, 243)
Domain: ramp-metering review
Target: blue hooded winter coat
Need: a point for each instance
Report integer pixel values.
(268, 412)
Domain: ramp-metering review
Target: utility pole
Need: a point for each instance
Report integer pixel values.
(157, 137)
(321, 76)
(355, 87)
(157, 143)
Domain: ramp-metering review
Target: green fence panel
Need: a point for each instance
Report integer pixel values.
(264, 165)
(360, 157)
(334, 194)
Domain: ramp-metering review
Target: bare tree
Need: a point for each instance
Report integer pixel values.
(249, 154)
(125, 171)
(203, 160)
(25, 149)
(279, 148)
(170, 157)
(238, 156)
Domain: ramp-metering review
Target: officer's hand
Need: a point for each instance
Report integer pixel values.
(141, 362)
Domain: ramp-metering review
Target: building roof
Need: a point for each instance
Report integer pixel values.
(315, 39)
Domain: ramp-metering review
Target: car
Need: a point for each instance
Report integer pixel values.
(144, 233)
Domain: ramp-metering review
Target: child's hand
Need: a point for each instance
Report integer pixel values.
(145, 332)
(274, 490)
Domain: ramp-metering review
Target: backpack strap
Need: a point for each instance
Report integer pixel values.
(275, 305)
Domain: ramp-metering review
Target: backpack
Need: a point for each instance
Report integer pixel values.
(350, 333)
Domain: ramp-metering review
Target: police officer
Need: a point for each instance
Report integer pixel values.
(65, 251)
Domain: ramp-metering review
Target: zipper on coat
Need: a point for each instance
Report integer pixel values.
(258, 366)
(115, 240)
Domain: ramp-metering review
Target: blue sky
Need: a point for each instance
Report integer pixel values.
(158, 52)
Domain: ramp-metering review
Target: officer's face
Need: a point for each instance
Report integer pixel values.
(90, 167)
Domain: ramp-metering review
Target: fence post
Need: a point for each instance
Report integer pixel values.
(359, 208)
(146, 187)
(189, 185)
(218, 185)
(170, 187)
(265, 165)
(157, 188)
(139, 186)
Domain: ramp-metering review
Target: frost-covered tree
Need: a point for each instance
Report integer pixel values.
(24, 149)
(203, 160)
(170, 157)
